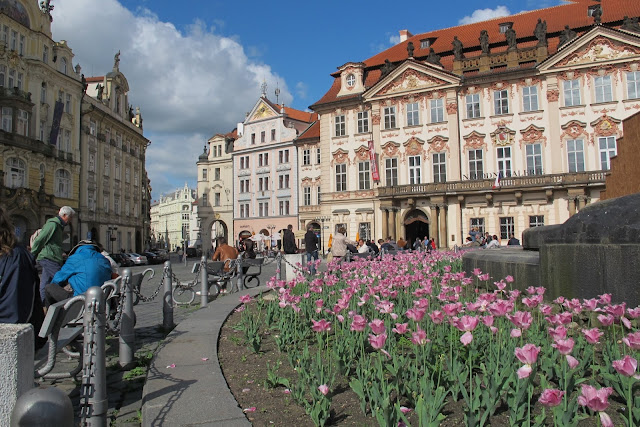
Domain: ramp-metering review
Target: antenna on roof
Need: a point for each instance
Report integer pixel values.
(264, 88)
(277, 91)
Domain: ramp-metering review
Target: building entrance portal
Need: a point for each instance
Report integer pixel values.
(416, 225)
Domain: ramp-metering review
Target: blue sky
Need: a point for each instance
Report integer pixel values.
(195, 67)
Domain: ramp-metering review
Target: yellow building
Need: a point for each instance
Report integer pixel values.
(500, 125)
(114, 189)
(40, 95)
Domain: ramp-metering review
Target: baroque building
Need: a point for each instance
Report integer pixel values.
(265, 168)
(215, 190)
(114, 188)
(500, 125)
(171, 218)
(40, 97)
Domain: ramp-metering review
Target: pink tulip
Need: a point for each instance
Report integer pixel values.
(596, 400)
(592, 335)
(564, 346)
(524, 371)
(605, 299)
(509, 279)
(531, 290)
(466, 338)
(467, 323)
(626, 366)
(377, 326)
(605, 420)
(501, 307)
(452, 309)
(545, 309)
(558, 333)
(358, 323)
(324, 389)
(551, 397)
(527, 354)
(416, 313)
(419, 337)
(483, 277)
(606, 319)
(616, 310)
(321, 325)
(590, 304)
(245, 299)
(500, 285)
(377, 341)
(487, 320)
(572, 361)
(632, 340)
(437, 316)
(522, 319)
(401, 328)
(515, 333)
(633, 313)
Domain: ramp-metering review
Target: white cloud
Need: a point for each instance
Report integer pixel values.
(302, 90)
(394, 40)
(189, 85)
(484, 15)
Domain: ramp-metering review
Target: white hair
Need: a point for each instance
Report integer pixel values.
(66, 210)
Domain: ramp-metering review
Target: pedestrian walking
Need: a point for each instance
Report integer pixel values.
(47, 246)
(180, 253)
(289, 241)
(311, 247)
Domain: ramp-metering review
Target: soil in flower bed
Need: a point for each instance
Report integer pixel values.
(247, 375)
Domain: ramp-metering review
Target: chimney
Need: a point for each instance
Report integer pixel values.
(404, 35)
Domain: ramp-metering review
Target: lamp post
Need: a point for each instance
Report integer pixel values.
(110, 230)
(322, 219)
(271, 227)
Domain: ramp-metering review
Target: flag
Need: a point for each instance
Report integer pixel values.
(372, 159)
(496, 184)
(55, 124)
(330, 241)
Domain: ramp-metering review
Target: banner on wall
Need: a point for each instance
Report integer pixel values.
(55, 124)
(372, 159)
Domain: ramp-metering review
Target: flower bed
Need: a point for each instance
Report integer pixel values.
(413, 333)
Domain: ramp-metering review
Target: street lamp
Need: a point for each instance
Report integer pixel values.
(322, 219)
(110, 232)
(271, 227)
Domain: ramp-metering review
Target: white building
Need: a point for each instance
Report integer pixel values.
(171, 219)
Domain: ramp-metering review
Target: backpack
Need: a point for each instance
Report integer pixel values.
(33, 236)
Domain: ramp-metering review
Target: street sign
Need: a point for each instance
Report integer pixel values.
(326, 227)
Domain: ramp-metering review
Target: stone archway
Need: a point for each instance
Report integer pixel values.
(218, 229)
(416, 225)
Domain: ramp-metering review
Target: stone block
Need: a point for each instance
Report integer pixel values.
(292, 260)
(16, 359)
(523, 265)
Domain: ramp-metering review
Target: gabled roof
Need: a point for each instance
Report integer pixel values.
(310, 133)
(574, 14)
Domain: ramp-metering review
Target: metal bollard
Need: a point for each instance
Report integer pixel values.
(46, 407)
(279, 266)
(127, 332)
(167, 301)
(204, 281)
(94, 358)
(348, 256)
(240, 285)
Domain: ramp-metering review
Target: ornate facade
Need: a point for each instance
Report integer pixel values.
(448, 130)
(114, 189)
(215, 190)
(40, 96)
(265, 168)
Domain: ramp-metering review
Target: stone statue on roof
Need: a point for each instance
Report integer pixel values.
(410, 49)
(387, 67)
(631, 24)
(457, 48)
(116, 61)
(100, 89)
(541, 32)
(597, 14)
(484, 42)
(510, 34)
(433, 58)
(567, 35)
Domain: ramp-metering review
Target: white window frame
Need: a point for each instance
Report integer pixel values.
(390, 117)
(364, 175)
(17, 172)
(363, 121)
(306, 157)
(603, 88)
(436, 107)
(62, 183)
(607, 148)
(340, 125)
(415, 169)
(507, 227)
(472, 102)
(306, 196)
(501, 102)
(439, 167)
(476, 163)
(413, 114)
(7, 119)
(530, 98)
(341, 177)
(391, 171)
(536, 221)
(533, 154)
(633, 85)
(571, 91)
(503, 157)
(575, 155)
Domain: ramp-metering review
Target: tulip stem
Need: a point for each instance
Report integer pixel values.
(630, 402)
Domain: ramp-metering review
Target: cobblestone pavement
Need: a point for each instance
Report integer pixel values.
(125, 387)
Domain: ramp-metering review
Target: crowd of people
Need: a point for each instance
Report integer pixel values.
(486, 240)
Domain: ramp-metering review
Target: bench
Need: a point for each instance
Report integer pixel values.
(62, 325)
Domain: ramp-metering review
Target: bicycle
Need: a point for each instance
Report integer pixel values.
(184, 293)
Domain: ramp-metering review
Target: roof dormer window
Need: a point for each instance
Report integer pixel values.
(505, 26)
(351, 80)
(592, 9)
(425, 44)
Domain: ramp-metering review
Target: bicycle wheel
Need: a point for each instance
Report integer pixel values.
(183, 295)
(251, 281)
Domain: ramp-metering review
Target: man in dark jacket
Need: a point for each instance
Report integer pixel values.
(86, 267)
(47, 246)
(311, 246)
(289, 241)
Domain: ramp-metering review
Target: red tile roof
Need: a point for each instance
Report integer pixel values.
(312, 132)
(574, 14)
(95, 79)
(303, 116)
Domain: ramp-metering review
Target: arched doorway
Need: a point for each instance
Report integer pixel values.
(416, 225)
(218, 229)
(21, 227)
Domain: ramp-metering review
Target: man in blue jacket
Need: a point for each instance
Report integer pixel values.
(86, 267)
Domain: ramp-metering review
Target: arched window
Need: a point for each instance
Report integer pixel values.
(63, 183)
(17, 173)
(63, 65)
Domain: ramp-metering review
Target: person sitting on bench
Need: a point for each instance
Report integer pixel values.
(85, 267)
(224, 252)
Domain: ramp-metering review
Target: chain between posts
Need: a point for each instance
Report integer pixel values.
(155, 293)
(295, 267)
(115, 327)
(85, 388)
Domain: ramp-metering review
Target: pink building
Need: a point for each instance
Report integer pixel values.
(265, 166)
